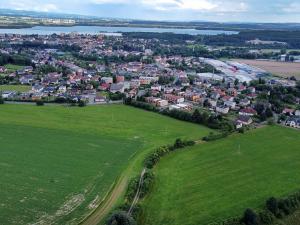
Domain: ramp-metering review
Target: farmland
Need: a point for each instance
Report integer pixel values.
(214, 181)
(282, 69)
(58, 163)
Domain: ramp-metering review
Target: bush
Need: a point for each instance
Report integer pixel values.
(39, 103)
(1, 100)
(266, 217)
(213, 137)
(120, 218)
(81, 103)
(250, 217)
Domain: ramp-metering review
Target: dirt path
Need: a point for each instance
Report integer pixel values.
(99, 214)
(137, 195)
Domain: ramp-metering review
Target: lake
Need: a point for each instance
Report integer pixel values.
(48, 30)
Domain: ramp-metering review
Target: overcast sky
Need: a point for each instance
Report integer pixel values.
(183, 10)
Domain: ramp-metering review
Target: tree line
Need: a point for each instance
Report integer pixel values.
(209, 120)
(275, 209)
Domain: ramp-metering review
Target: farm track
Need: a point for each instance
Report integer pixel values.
(99, 214)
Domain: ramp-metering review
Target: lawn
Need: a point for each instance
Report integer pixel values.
(12, 68)
(20, 88)
(219, 180)
(57, 163)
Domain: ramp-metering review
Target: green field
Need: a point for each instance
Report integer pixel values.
(58, 162)
(12, 68)
(219, 180)
(20, 88)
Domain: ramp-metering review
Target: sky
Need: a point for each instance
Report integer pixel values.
(171, 10)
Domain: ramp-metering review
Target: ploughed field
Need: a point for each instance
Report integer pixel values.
(283, 69)
(57, 163)
(214, 181)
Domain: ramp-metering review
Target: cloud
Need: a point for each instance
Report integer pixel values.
(100, 2)
(197, 5)
(30, 5)
(214, 10)
(293, 7)
(180, 4)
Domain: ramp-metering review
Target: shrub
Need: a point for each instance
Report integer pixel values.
(120, 218)
(250, 217)
(81, 103)
(1, 100)
(39, 103)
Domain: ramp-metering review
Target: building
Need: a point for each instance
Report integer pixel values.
(174, 98)
(230, 104)
(222, 109)
(293, 121)
(245, 120)
(247, 112)
(114, 88)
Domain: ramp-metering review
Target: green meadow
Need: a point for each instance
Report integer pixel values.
(214, 181)
(18, 88)
(58, 163)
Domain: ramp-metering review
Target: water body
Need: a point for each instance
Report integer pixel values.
(47, 30)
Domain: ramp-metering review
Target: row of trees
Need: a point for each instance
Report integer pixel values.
(152, 159)
(134, 184)
(203, 118)
(275, 209)
(18, 59)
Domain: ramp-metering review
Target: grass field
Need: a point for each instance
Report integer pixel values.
(282, 69)
(57, 163)
(20, 88)
(12, 68)
(214, 181)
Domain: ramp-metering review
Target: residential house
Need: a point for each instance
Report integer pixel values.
(107, 80)
(26, 79)
(230, 104)
(245, 120)
(244, 102)
(222, 109)
(174, 98)
(288, 111)
(293, 121)
(117, 88)
(248, 112)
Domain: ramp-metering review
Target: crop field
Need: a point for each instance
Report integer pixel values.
(214, 181)
(282, 69)
(58, 163)
(20, 88)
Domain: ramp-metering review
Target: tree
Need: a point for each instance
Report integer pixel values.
(250, 217)
(178, 143)
(269, 112)
(197, 116)
(236, 82)
(272, 205)
(120, 218)
(1, 99)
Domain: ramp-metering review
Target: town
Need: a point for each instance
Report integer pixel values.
(149, 112)
(102, 69)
